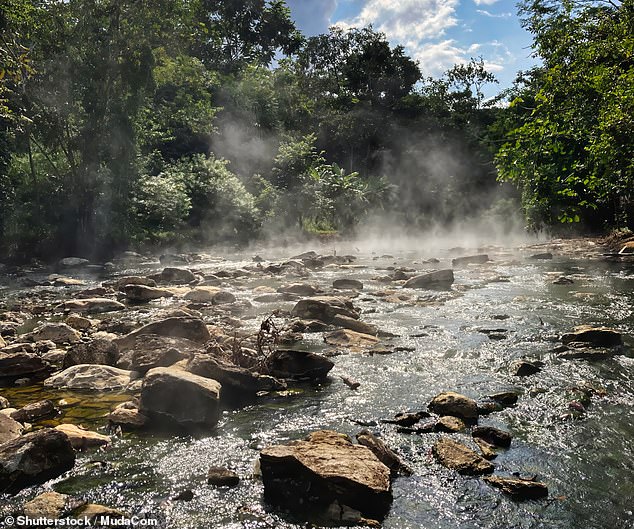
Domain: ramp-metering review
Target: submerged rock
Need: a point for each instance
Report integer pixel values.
(456, 456)
(91, 377)
(322, 469)
(34, 458)
(520, 489)
(287, 363)
(173, 397)
(431, 279)
(455, 404)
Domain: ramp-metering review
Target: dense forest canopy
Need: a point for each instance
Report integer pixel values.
(125, 124)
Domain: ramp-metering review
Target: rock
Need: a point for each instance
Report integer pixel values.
(58, 333)
(286, 363)
(520, 489)
(90, 305)
(195, 407)
(431, 279)
(493, 436)
(384, 453)
(34, 458)
(9, 429)
(627, 248)
(185, 495)
(563, 281)
(128, 416)
(122, 282)
(406, 418)
(237, 382)
(94, 512)
(487, 449)
(72, 262)
(35, 411)
(525, 368)
(103, 352)
(149, 351)
(450, 424)
(325, 468)
(324, 308)
(595, 336)
(300, 289)
(142, 293)
(456, 456)
(455, 404)
(208, 294)
(193, 329)
(470, 259)
(355, 325)
(347, 284)
(81, 438)
(91, 377)
(505, 398)
(543, 256)
(350, 339)
(49, 505)
(177, 275)
(588, 354)
(222, 477)
(78, 323)
(16, 365)
(4, 402)
(20, 347)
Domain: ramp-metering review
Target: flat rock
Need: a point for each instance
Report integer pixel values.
(195, 407)
(520, 489)
(325, 468)
(595, 336)
(99, 351)
(80, 438)
(456, 405)
(193, 329)
(456, 456)
(58, 333)
(542, 256)
(470, 259)
(299, 289)
(49, 505)
(449, 424)
(324, 308)
(90, 305)
(222, 477)
(34, 458)
(143, 293)
(122, 282)
(355, 325)
(350, 339)
(431, 279)
(9, 429)
(210, 294)
(347, 284)
(287, 363)
(91, 377)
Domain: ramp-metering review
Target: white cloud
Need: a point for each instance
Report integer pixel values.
(485, 2)
(494, 15)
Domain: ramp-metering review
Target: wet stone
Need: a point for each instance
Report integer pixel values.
(222, 477)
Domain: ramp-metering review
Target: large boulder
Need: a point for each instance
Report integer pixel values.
(324, 308)
(58, 333)
(91, 377)
(173, 397)
(193, 329)
(593, 336)
(100, 351)
(21, 364)
(176, 275)
(438, 278)
(456, 456)
(323, 469)
(90, 305)
(455, 404)
(143, 293)
(286, 363)
(149, 351)
(9, 429)
(34, 458)
(237, 382)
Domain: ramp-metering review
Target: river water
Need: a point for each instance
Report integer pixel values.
(584, 458)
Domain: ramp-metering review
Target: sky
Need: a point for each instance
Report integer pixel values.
(437, 33)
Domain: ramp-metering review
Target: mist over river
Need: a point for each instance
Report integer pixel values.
(572, 424)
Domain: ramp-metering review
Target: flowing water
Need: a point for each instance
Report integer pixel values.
(584, 458)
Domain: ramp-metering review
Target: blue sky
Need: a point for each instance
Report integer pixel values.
(437, 33)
